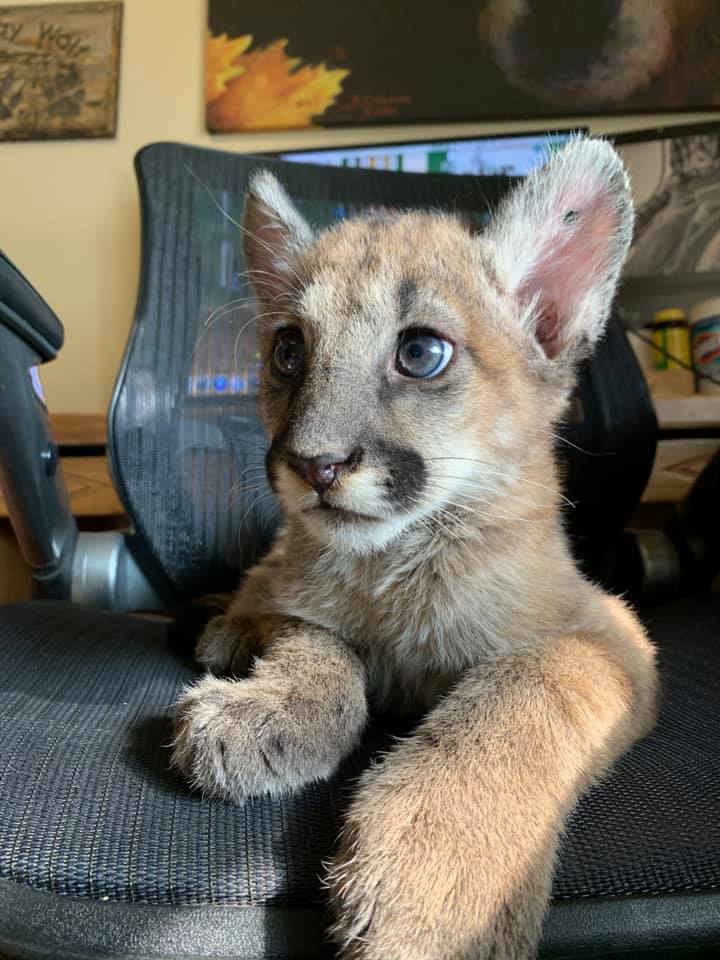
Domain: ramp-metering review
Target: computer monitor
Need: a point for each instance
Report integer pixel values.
(510, 155)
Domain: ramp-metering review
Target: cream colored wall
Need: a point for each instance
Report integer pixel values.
(69, 211)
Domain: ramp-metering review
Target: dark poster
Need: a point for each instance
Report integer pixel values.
(289, 63)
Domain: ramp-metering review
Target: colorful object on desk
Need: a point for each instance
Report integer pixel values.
(671, 362)
(705, 337)
(670, 336)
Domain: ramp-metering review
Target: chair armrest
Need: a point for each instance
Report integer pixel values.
(30, 473)
(24, 311)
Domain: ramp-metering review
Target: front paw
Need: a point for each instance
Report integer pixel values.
(243, 738)
(412, 882)
(228, 644)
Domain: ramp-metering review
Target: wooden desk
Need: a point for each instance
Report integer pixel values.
(92, 495)
(678, 463)
(696, 412)
(680, 459)
(79, 429)
(93, 501)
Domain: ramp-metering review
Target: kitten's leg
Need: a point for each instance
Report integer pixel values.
(190, 622)
(231, 639)
(448, 848)
(301, 711)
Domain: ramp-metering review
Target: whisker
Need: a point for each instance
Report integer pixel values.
(241, 331)
(589, 453)
(218, 316)
(243, 490)
(271, 313)
(499, 473)
(235, 223)
(484, 514)
(252, 440)
(426, 522)
(267, 520)
(259, 271)
(443, 527)
(454, 519)
(478, 483)
(254, 482)
(235, 304)
(255, 503)
(242, 521)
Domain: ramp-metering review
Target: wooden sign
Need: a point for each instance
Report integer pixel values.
(59, 70)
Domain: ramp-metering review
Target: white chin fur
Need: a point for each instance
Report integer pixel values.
(354, 537)
(361, 493)
(345, 536)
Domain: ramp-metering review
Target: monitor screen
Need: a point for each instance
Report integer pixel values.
(512, 155)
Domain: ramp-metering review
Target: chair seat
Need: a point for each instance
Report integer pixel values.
(105, 852)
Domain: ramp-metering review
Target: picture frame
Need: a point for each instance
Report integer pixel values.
(278, 67)
(59, 70)
(675, 176)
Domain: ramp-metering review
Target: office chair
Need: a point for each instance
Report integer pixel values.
(104, 851)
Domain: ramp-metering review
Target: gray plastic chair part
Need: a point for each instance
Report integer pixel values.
(36, 925)
(107, 575)
(24, 311)
(31, 476)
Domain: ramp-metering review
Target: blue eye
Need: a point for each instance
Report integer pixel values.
(422, 355)
(289, 354)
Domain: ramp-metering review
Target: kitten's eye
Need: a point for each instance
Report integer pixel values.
(422, 355)
(289, 354)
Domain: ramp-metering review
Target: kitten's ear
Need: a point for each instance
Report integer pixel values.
(560, 242)
(274, 234)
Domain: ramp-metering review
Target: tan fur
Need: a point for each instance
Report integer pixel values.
(463, 601)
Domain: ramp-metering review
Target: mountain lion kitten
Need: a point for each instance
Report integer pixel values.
(414, 375)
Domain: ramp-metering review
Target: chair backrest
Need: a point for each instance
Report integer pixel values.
(187, 448)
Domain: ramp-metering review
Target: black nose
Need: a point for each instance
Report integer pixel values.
(321, 472)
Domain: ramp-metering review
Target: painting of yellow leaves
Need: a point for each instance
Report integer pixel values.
(263, 88)
(280, 64)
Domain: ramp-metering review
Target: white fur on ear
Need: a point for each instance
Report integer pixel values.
(560, 242)
(274, 233)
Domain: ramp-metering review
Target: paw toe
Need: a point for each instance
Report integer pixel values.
(226, 645)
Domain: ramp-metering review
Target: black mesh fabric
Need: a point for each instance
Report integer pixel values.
(88, 807)
(187, 447)
(653, 826)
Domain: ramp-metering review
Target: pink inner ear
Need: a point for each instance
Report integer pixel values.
(575, 246)
(548, 330)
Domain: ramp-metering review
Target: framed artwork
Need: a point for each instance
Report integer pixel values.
(59, 70)
(287, 64)
(675, 174)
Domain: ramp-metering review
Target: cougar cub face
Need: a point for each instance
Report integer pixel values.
(373, 380)
(405, 370)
